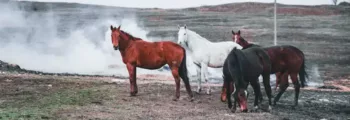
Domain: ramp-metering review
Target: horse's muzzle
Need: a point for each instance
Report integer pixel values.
(116, 47)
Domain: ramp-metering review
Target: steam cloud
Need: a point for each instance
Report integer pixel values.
(37, 41)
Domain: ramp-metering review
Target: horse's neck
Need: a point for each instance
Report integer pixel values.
(245, 44)
(125, 43)
(196, 42)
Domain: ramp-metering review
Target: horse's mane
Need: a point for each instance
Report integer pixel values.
(195, 34)
(249, 45)
(129, 35)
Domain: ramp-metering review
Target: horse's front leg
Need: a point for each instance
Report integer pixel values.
(204, 71)
(233, 96)
(199, 75)
(132, 78)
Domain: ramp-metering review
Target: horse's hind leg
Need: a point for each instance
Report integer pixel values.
(266, 81)
(295, 81)
(175, 72)
(257, 92)
(278, 79)
(283, 86)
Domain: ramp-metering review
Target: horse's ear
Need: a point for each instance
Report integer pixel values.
(233, 32)
(185, 26)
(118, 28)
(239, 32)
(112, 28)
(178, 26)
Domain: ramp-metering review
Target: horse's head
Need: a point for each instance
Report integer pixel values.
(115, 34)
(236, 37)
(242, 96)
(182, 38)
(240, 93)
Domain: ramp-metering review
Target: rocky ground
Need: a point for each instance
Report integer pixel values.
(29, 96)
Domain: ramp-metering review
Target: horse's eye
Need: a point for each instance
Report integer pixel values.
(184, 33)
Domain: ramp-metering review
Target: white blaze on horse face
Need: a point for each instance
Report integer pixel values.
(236, 38)
(182, 36)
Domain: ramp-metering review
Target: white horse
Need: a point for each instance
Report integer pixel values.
(204, 53)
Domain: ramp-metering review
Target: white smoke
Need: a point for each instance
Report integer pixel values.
(315, 79)
(32, 41)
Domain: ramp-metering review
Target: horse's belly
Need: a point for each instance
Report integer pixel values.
(217, 61)
(151, 66)
(151, 63)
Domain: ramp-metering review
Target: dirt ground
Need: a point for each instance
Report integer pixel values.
(29, 96)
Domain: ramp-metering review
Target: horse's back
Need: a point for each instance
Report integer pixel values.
(152, 55)
(171, 50)
(286, 48)
(285, 57)
(258, 59)
(226, 44)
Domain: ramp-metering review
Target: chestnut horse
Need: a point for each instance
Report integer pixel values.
(285, 60)
(151, 55)
(241, 68)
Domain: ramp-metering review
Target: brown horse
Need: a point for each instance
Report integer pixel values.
(151, 55)
(285, 60)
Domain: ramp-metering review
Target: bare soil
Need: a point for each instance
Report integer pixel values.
(29, 96)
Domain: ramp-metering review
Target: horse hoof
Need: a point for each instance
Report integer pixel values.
(255, 109)
(191, 99)
(198, 90)
(208, 92)
(233, 110)
(246, 110)
(175, 98)
(274, 103)
(270, 108)
(133, 93)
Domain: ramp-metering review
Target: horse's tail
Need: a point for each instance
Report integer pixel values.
(302, 72)
(184, 73)
(237, 69)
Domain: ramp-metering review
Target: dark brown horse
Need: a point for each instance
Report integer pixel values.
(285, 60)
(241, 68)
(151, 55)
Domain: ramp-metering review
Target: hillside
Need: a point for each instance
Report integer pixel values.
(246, 7)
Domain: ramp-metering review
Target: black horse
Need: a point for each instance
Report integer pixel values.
(286, 60)
(242, 67)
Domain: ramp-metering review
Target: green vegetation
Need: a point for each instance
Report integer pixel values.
(35, 108)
